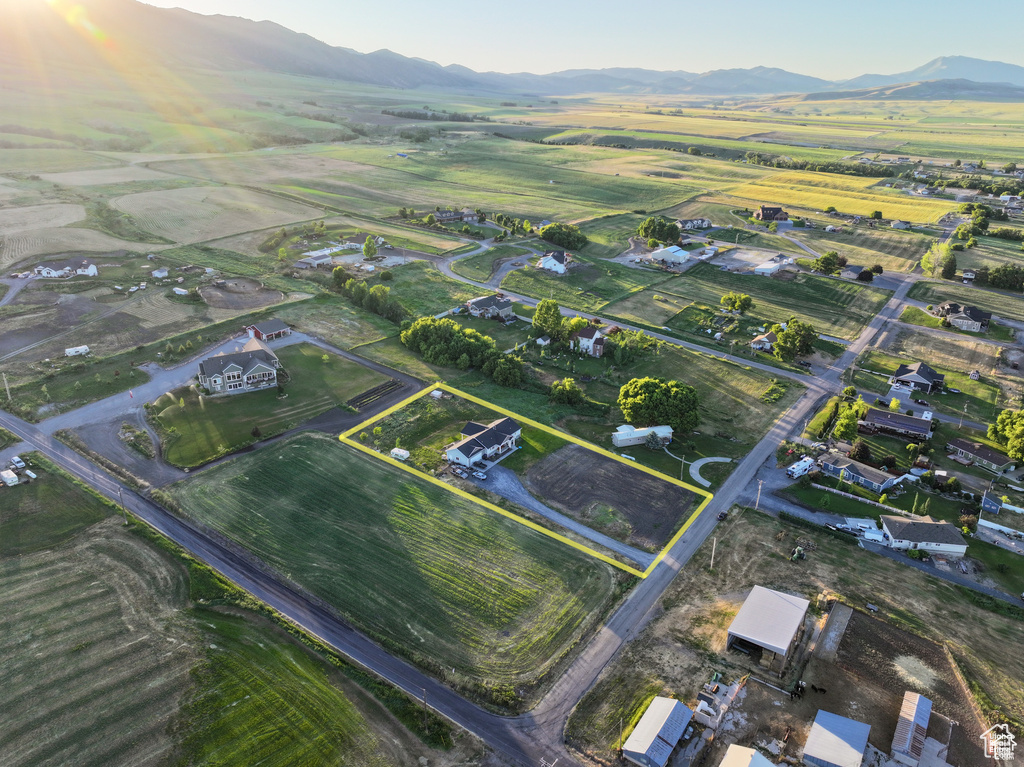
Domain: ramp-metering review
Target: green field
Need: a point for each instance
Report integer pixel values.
(454, 586)
(835, 307)
(894, 249)
(480, 267)
(207, 427)
(588, 286)
(423, 291)
(609, 235)
(1001, 304)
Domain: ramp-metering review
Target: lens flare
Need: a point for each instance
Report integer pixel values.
(77, 17)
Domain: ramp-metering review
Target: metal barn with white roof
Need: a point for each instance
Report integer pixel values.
(836, 741)
(740, 756)
(769, 619)
(911, 729)
(657, 733)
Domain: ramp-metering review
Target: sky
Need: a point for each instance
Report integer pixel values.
(832, 39)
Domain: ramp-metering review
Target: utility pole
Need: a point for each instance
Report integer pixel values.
(757, 505)
(123, 510)
(8, 387)
(714, 545)
(961, 426)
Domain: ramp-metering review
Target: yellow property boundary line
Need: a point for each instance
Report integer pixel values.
(346, 438)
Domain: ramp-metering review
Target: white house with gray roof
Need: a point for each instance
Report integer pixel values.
(251, 369)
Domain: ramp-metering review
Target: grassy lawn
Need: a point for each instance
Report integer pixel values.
(477, 598)
(207, 427)
(7, 438)
(424, 291)
(76, 382)
(895, 250)
(1000, 303)
(609, 235)
(835, 307)
(914, 315)
(589, 286)
(981, 398)
(505, 335)
(480, 267)
(948, 431)
(1000, 565)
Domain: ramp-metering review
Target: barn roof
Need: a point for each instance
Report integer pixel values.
(769, 619)
(658, 730)
(836, 740)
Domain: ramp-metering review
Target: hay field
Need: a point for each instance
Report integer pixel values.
(952, 351)
(849, 194)
(895, 250)
(46, 241)
(195, 214)
(122, 175)
(454, 586)
(18, 220)
(50, 160)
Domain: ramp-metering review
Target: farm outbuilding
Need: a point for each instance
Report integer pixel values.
(836, 741)
(400, 454)
(268, 330)
(627, 435)
(770, 620)
(657, 733)
(911, 729)
(740, 756)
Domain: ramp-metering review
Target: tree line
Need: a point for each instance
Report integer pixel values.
(446, 343)
(841, 168)
(436, 116)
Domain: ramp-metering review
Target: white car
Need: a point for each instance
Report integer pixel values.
(17, 463)
(479, 475)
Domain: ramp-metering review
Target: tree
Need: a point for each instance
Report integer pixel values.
(566, 392)
(256, 433)
(737, 302)
(948, 269)
(877, 269)
(877, 215)
(894, 405)
(796, 340)
(282, 254)
(846, 425)
(935, 258)
(369, 247)
(574, 325)
(653, 442)
(1009, 430)
(386, 276)
(888, 462)
(850, 392)
(827, 263)
(508, 371)
(860, 451)
(548, 320)
(865, 275)
(773, 227)
(1010, 167)
(324, 358)
(430, 220)
(658, 228)
(566, 236)
(830, 209)
(654, 401)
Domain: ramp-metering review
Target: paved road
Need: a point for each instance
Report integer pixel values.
(14, 286)
(505, 483)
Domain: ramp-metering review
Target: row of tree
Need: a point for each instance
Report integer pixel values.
(658, 228)
(377, 299)
(843, 168)
(446, 343)
(566, 236)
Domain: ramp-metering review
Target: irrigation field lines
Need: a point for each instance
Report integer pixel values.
(346, 438)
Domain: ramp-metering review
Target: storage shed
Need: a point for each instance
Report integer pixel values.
(627, 435)
(836, 741)
(770, 620)
(911, 729)
(400, 453)
(657, 733)
(740, 756)
(76, 351)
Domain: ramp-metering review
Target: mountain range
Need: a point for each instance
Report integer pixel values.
(138, 36)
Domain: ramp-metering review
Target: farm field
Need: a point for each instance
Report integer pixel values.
(455, 586)
(895, 250)
(850, 194)
(50, 160)
(207, 427)
(589, 285)
(195, 214)
(337, 321)
(990, 252)
(835, 307)
(610, 496)
(199, 683)
(962, 353)
(1001, 304)
(679, 651)
(482, 266)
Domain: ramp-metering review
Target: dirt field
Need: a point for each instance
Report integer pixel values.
(18, 220)
(196, 214)
(96, 632)
(105, 176)
(953, 352)
(239, 294)
(877, 660)
(607, 495)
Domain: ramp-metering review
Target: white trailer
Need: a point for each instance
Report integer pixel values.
(9, 478)
(800, 468)
(76, 351)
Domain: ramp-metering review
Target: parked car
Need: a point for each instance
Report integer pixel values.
(459, 472)
(479, 475)
(722, 515)
(17, 463)
(803, 363)
(921, 402)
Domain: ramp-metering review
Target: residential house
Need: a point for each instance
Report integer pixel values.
(328, 251)
(671, 255)
(771, 213)
(918, 376)
(555, 261)
(764, 342)
(970, 319)
(447, 216)
(479, 442)
(75, 267)
(268, 330)
(969, 275)
(627, 435)
(159, 274)
(980, 454)
(491, 307)
(314, 262)
(848, 470)
(851, 272)
(1009, 198)
(590, 341)
(901, 425)
(900, 224)
(688, 224)
(251, 369)
(773, 265)
(470, 216)
(923, 534)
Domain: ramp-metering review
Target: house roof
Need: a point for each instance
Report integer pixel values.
(490, 435)
(869, 473)
(558, 255)
(922, 530)
(770, 208)
(486, 302)
(898, 421)
(741, 756)
(270, 326)
(853, 269)
(837, 740)
(769, 619)
(590, 331)
(469, 446)
(912, 726)
(921, 370)
(770, 337)
(984, 452)
(252, 355)
(658, 730)
(953, 309)
(71, 263)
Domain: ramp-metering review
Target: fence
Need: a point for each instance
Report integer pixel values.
(832, 490)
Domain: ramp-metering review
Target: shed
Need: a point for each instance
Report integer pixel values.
(836, 741)
(769, 619)
(911, 728)
(740, 756)
(657, 733)
(627, 435)
(76, 351)
(180, 291)
(400, 454)
(159, 274)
